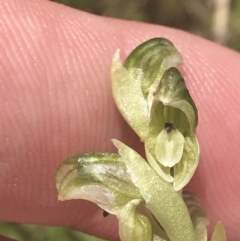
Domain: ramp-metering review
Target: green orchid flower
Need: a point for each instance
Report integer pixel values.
(148, 81)
(134, 83)
(172, 147)
(146, 195)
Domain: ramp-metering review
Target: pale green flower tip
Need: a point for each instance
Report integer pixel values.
(219, 233)
(129, 98)
(169, 147)
(120, 146)
(61, 197)
(116, 143)
(116, 61)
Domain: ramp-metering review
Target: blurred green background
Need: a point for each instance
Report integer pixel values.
(217, 20)
(30, 232)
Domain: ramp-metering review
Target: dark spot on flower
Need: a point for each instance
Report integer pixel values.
(105, 213)
(169, 127)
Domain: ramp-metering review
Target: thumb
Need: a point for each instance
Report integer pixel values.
(56, 100)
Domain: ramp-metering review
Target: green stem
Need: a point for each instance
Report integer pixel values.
(161, 199)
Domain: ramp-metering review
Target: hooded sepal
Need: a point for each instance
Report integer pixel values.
(150, 60)
(134, 83)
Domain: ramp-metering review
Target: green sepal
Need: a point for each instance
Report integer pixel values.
(161, 199)
(198, 215)
(134, 83)
(184, 170)
(98, 177)
(129, 98)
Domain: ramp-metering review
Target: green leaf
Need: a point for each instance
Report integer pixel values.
(30, 232)
(161, 199)
(134, 83)
(98, 177)
(198, 215)
(219, 233)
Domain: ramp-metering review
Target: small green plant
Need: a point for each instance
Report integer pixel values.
(146, 196)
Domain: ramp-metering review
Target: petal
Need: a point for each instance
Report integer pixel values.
(161, 199)
(98, 177)
(169, 147)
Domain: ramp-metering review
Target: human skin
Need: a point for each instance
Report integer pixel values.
(56, 101)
